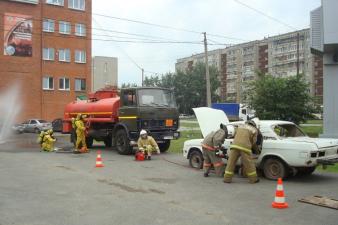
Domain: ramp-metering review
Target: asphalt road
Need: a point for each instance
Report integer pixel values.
(40, 188)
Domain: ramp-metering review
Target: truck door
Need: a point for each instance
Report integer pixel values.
(128, 111)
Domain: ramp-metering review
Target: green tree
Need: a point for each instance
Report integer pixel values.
(127, 85)
(281, 98)
(189, 86)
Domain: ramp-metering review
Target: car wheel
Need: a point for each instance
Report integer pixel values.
(122, 142)
(164, 146)
(274, 168)
(196, 159)
(306, 170)
(89, 142)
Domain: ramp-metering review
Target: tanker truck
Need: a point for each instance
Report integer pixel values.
(117, 119)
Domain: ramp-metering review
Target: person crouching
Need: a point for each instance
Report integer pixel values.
(147, 144)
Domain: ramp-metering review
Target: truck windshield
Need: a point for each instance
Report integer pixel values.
(156, 97)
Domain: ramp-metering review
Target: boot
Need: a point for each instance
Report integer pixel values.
(149, 157)
(206, 174)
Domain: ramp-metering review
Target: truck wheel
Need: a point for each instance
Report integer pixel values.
(89, 142)
(164, 146)
(196, 159)
(306, 170)
(108, 142)
(274, 168)
(122, 142)
(73, 137)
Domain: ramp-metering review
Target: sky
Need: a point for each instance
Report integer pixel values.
(221, 17)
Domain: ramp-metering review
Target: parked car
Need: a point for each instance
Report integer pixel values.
(286, 150)
(57, 125)
(36, 125)
(18, 128)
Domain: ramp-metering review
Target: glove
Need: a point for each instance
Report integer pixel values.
(158, 151)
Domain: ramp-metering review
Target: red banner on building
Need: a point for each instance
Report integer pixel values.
(18, 31)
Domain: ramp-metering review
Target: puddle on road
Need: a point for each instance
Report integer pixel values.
(128, 188)
(161, 180)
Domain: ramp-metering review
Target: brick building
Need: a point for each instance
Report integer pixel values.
(46, 49)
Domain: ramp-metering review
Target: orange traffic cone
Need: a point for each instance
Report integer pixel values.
(99, 160)
(279, 201)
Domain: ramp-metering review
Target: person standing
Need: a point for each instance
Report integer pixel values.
(244, 141)
(211, 144)
(81, 146)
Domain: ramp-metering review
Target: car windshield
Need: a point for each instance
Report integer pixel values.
(288, 130)
(42, 121)
(156, 97)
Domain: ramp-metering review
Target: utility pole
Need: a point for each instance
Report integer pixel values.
(207, 76)
(297, 54)
(142, 76)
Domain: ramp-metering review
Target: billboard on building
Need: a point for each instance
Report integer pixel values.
(18, 31)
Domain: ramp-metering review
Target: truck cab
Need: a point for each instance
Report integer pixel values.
(150, 108)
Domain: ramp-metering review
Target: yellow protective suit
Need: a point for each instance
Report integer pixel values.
(147, 145)
(48, 143)
(80, 135)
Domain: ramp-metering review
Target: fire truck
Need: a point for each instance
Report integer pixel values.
(117, 118)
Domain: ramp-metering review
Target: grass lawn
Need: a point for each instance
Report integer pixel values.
(331, 169)
(176, 146)
(314, 122)
(189, 125)
(313, 131)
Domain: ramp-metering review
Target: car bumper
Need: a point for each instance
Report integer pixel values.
(328, 161)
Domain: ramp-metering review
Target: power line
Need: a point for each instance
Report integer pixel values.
(166, 27)
(266, 15)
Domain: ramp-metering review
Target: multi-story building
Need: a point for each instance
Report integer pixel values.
(47, 51)
(104, 72)
(277, 55)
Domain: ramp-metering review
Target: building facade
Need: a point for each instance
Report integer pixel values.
(46, 50)
(276, 55)
(104, 72)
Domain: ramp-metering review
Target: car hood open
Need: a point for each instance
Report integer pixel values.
(209, 119)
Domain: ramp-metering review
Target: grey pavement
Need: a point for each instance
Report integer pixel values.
(40, 188)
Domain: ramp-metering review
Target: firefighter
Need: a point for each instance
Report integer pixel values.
(40, 139)
(244, 141)
(147, 144)
(81, 146)
(211, 145)
(48, 141)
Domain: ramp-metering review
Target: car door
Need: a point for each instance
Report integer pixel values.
(32, 125)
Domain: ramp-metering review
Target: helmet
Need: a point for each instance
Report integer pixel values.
(231, 131)
(78, 116)
(143, 132)
(251, 123)
(83, 116)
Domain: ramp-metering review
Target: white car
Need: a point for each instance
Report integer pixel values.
(286, 149)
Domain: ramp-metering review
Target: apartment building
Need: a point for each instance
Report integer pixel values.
(47, 51)
(104, 72)
(276, 55)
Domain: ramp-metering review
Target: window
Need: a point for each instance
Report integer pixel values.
(64, 84)
(55, 2)
(48, 54)
(129, 98)
(33, 122)
(76, 4)
(80, 29)
(48, 25)
(64, 27)
(80, 56)
(48, 83)
(80, 84)
(64, 55)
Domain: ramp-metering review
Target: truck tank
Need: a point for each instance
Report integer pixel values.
(102, 107)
